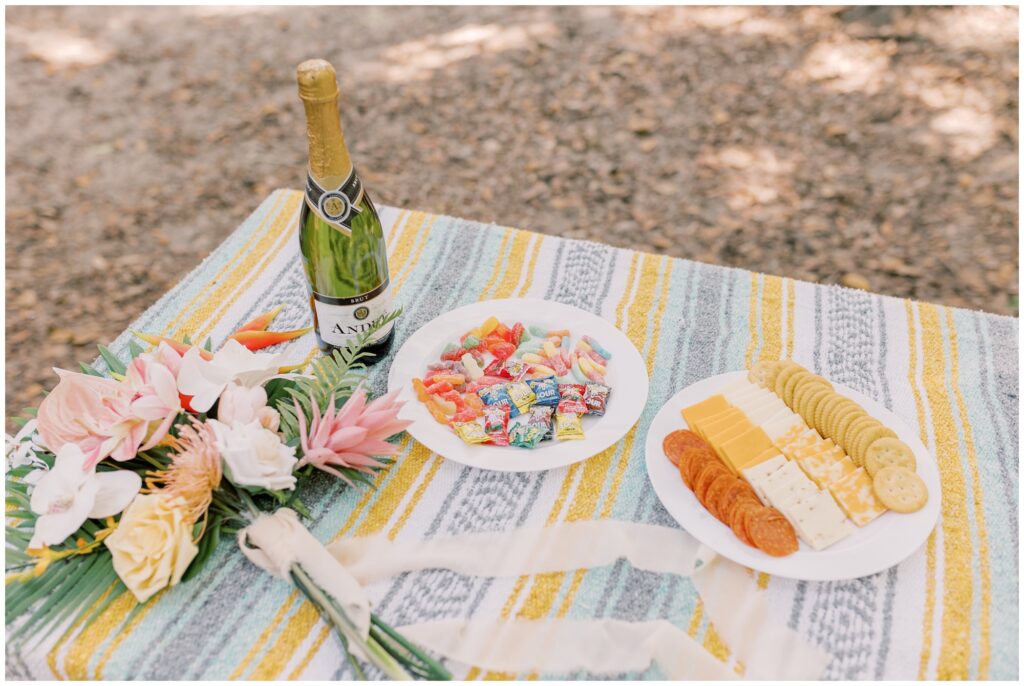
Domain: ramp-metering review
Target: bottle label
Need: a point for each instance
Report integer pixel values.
(336, 206)
(341, 320)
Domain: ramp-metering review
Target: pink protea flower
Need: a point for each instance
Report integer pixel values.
(352, 436)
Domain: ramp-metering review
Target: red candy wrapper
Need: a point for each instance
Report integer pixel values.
(496, 423)
(571, 398)
(497, 368)
(596, 398)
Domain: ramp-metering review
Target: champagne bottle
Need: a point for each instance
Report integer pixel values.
(340, 234)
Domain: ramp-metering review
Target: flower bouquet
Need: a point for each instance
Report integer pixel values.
(130, 479)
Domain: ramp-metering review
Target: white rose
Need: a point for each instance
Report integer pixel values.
(242, 405)
(152, 546)
(255, 456)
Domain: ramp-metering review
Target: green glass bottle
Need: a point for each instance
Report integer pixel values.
(340, 235)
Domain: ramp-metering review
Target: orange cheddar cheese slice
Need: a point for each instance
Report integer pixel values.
(740, 451)
(764, 456)
(720, 421)
(726, 435)
(695, 414)
(855, 493)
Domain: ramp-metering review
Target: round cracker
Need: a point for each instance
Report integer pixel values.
(845, 422)
(868, 437)
(853, 434)
(889, 451)
(811, 401)
(802, 393)
(900, 489)
(791, 383)
(836, 413)
(821, 412)
(789, 368)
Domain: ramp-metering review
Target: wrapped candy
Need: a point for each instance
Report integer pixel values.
(496, 423)
(525, 436)
(515, 368)
(568, 427)
(571, 401)
(498, 395)
(545, 389)
(521, 394)
(540, 416)
(470, 432)
(595, 396)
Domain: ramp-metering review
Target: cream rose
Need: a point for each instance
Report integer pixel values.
(255, 456)
(152, 546)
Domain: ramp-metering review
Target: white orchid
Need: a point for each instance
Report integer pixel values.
(255, 456)
(70, 493)
(205, 380)
(24, 447)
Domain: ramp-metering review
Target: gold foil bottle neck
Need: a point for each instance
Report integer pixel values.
(329, 161)
(318, 81)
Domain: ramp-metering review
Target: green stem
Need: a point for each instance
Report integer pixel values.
(375, 652)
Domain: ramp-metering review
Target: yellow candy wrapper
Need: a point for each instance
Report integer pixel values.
(568, 427)
(522, 395)
(470, 432)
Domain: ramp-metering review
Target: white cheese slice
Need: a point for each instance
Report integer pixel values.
(740, 394)
(787, 484)
(757, 475)
(776, 428)
(819, 521)
(761, 412)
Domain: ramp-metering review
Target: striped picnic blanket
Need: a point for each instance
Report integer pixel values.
(949, 611)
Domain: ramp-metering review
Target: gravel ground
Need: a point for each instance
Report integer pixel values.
(875, 147)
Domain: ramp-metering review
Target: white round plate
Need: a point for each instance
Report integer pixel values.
(887, 541)
(627, 377)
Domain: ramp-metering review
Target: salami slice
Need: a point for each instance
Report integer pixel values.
(739, 521)
(708, 473)
(772, 533)
(735, 494)
(713, 495)
(692, 460)
(676, 443)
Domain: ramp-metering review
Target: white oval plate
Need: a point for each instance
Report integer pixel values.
(625, 403)
(887, 541)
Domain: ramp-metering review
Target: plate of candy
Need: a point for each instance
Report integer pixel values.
(519, 385)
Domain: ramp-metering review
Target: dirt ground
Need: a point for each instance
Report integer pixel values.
(875, 147)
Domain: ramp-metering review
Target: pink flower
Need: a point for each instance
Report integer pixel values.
(154, 393)
(95, 414)
(168, 357)
(352, 436)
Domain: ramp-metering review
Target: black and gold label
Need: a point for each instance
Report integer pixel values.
(337, 206)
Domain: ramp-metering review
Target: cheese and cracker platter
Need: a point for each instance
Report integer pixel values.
(786, 472)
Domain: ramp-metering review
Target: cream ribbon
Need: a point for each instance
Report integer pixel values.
(276, 542)
(734, 605)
